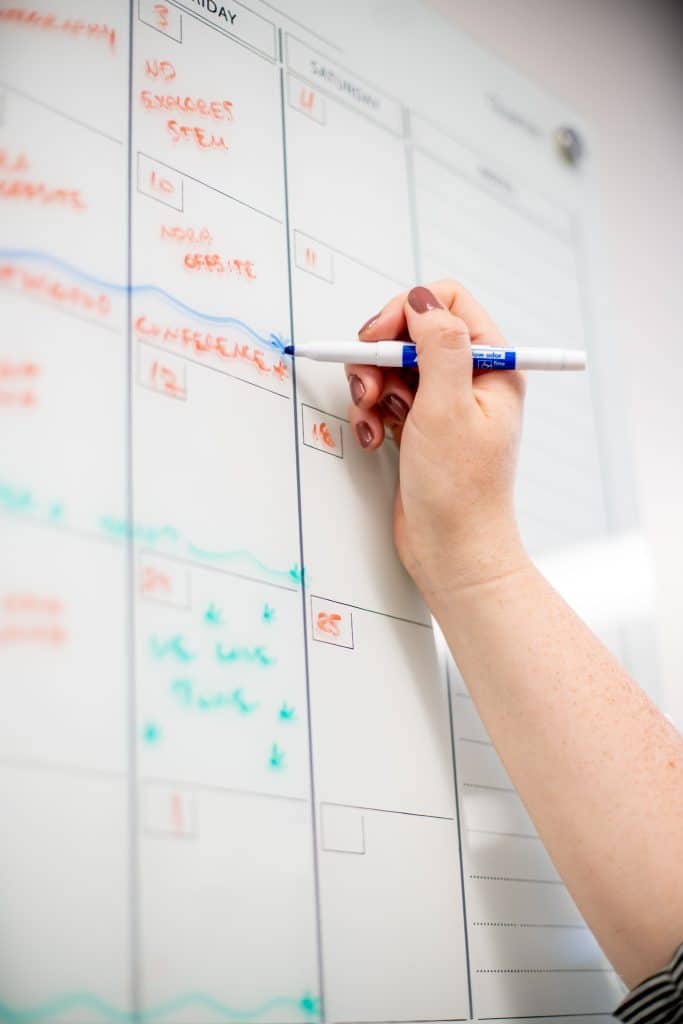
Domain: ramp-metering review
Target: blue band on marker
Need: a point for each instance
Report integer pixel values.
(494, 359)
(490, 359)
(409, 355)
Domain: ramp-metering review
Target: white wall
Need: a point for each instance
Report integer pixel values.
(620, 64)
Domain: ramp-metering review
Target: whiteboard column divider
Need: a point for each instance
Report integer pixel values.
(304, 616)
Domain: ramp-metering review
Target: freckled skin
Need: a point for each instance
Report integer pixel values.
(597, 766)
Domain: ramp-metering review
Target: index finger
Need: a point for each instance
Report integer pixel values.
(366, 382)
(391, 321)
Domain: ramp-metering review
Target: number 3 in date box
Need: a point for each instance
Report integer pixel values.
(162, 17)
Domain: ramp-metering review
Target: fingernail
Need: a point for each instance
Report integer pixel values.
(369, 323)
(395, 406)
(422, 300)
(364, 434)
(356, 387)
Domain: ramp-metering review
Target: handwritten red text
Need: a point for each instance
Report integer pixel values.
(16, 384)
(32, 619)
(212, 262)
(190, 133)
(48, 287)
(179, 233)
(71, 26)
(218, 110)
(203, 343)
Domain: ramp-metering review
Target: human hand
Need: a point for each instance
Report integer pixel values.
(458, 433)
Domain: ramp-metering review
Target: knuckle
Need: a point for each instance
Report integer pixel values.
(452, 333)
(451, 288)
(520, 382)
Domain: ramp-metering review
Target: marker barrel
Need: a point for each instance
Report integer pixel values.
(398, 353)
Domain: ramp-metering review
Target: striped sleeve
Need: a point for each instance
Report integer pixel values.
(659, 1000)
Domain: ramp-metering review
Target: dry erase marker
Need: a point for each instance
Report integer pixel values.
(398, 353)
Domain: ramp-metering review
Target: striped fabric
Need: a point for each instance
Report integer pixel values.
(659, 1000)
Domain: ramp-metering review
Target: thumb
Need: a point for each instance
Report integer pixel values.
(444, 351)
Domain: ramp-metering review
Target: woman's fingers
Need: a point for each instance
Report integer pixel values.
(385, 396)
(367, 426)
(393, 405)
(366, 384)
(396, 398)
(390, 322)
(392, 390)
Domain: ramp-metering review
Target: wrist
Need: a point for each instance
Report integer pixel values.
(462, 565)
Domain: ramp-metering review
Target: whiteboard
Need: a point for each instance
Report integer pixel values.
(237, 783)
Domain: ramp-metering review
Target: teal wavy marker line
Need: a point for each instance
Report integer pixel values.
(273, 340)
(294, 575)
(308, 1006)
(22, 500)
(16, 499)
(124, 530)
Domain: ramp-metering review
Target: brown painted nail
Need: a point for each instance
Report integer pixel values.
(395, 407)
(356, 387)
(364, 433)
(422, 300)
(369, 323)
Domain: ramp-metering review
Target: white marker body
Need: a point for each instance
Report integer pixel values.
(550, 359)
(399, 353)
(369, 353)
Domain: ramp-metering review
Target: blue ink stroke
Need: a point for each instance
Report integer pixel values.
(35, 255)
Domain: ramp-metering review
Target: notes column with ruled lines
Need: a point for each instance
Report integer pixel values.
(237, 783)
(515, 251)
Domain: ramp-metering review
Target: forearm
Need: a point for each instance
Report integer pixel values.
(599, 769)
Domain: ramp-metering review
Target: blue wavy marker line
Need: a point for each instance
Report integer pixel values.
(273, 340)
(307, 1006)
